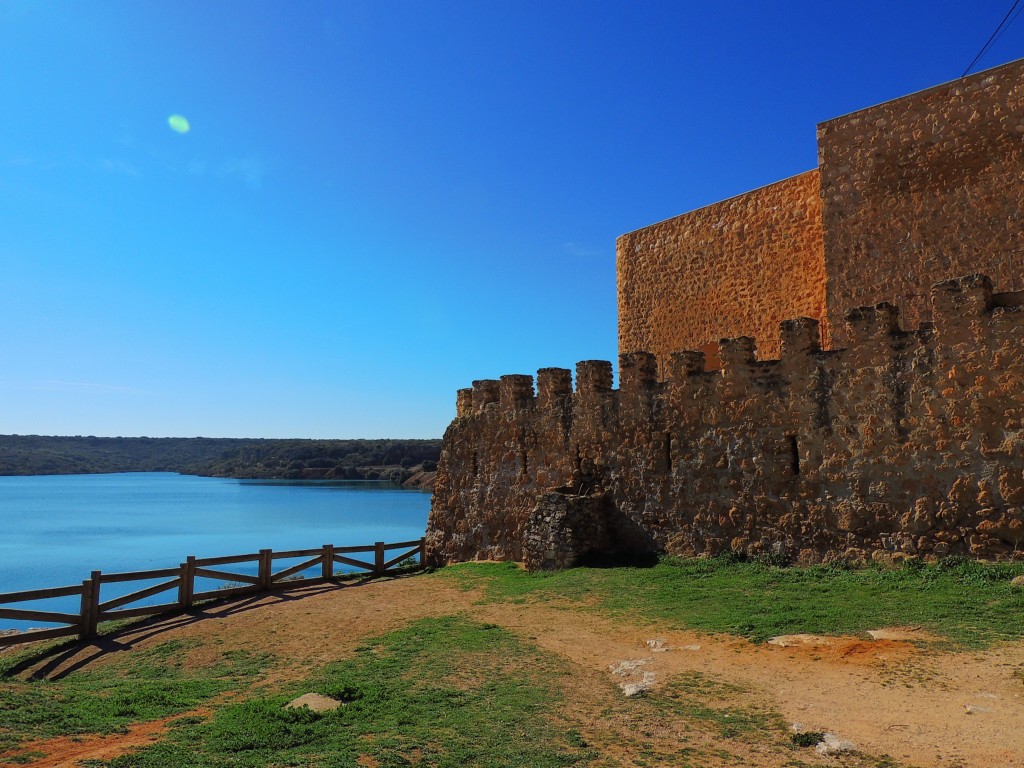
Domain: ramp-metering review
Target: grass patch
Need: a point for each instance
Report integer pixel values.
(147, 685)
(696, 696)
(808, 738)
(971, 604)
(24, 757)
(441, 692)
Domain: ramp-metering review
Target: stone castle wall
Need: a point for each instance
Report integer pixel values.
(740, 266)
(904, 442)
(909, 192)
(923, 188)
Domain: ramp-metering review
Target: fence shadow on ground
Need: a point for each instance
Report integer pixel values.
(57, 661)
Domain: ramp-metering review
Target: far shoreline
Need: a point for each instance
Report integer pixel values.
(407, 463)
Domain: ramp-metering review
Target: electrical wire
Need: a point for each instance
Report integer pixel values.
(1008, 25)
(995, 36)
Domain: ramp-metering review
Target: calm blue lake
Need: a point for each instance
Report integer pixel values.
(56, 529)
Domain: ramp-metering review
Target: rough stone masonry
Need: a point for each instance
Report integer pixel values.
(902, 442)
(906, 193)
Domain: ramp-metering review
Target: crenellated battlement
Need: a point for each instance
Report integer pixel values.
(553, 384)
(901, 443)
(962, 305)
(516, 391)
(593, 377)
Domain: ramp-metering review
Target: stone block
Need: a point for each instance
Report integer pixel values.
(593, 376)
(516, 391)
(485, 391)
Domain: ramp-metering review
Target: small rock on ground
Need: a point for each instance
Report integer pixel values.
(315, 702)
(658, 645)
(895, 633)
(788, 641)
(832, 745)
(628, 667)
(640, 686)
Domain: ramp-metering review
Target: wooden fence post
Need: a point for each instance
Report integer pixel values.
(90, 606)
(327, 571)
(85, 609)
(187, 587)
(266, 568)
(423, 552)
(378, 558)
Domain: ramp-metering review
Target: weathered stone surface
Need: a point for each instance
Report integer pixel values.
(923, 188)
(562, 528)
(906, 443)
(908, 192)
(738, 267)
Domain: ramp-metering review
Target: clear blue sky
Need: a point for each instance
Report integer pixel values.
(378, 202)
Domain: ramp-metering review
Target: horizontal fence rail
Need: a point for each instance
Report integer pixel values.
(179, 586)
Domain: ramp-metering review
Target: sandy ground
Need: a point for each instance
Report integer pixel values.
(889, 696)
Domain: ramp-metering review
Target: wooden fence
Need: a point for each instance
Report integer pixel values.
(182, 580)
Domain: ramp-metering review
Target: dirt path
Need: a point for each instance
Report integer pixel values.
(887, 696)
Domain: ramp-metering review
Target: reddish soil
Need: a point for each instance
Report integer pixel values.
(69, 750)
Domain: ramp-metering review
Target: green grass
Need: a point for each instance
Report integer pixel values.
(147, 685)
(970, 604)
(698, 697)
(441, 692)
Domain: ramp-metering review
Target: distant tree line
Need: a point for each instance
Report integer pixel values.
(394, 460)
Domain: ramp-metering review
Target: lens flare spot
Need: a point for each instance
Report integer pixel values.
(178, 124)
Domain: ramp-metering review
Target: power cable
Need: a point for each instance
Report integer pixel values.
(1008, 25)
(995, 35)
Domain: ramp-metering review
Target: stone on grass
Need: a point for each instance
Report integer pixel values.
(831, 744)
(895, 633)
(636, 682)
(314, 702)
(639, 687)
(628, 667)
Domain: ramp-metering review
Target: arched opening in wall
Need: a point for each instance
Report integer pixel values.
(476, 464)
(794, 455)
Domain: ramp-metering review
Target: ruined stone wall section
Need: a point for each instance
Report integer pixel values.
(905, 442)
(923, 188)
(740, 266)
